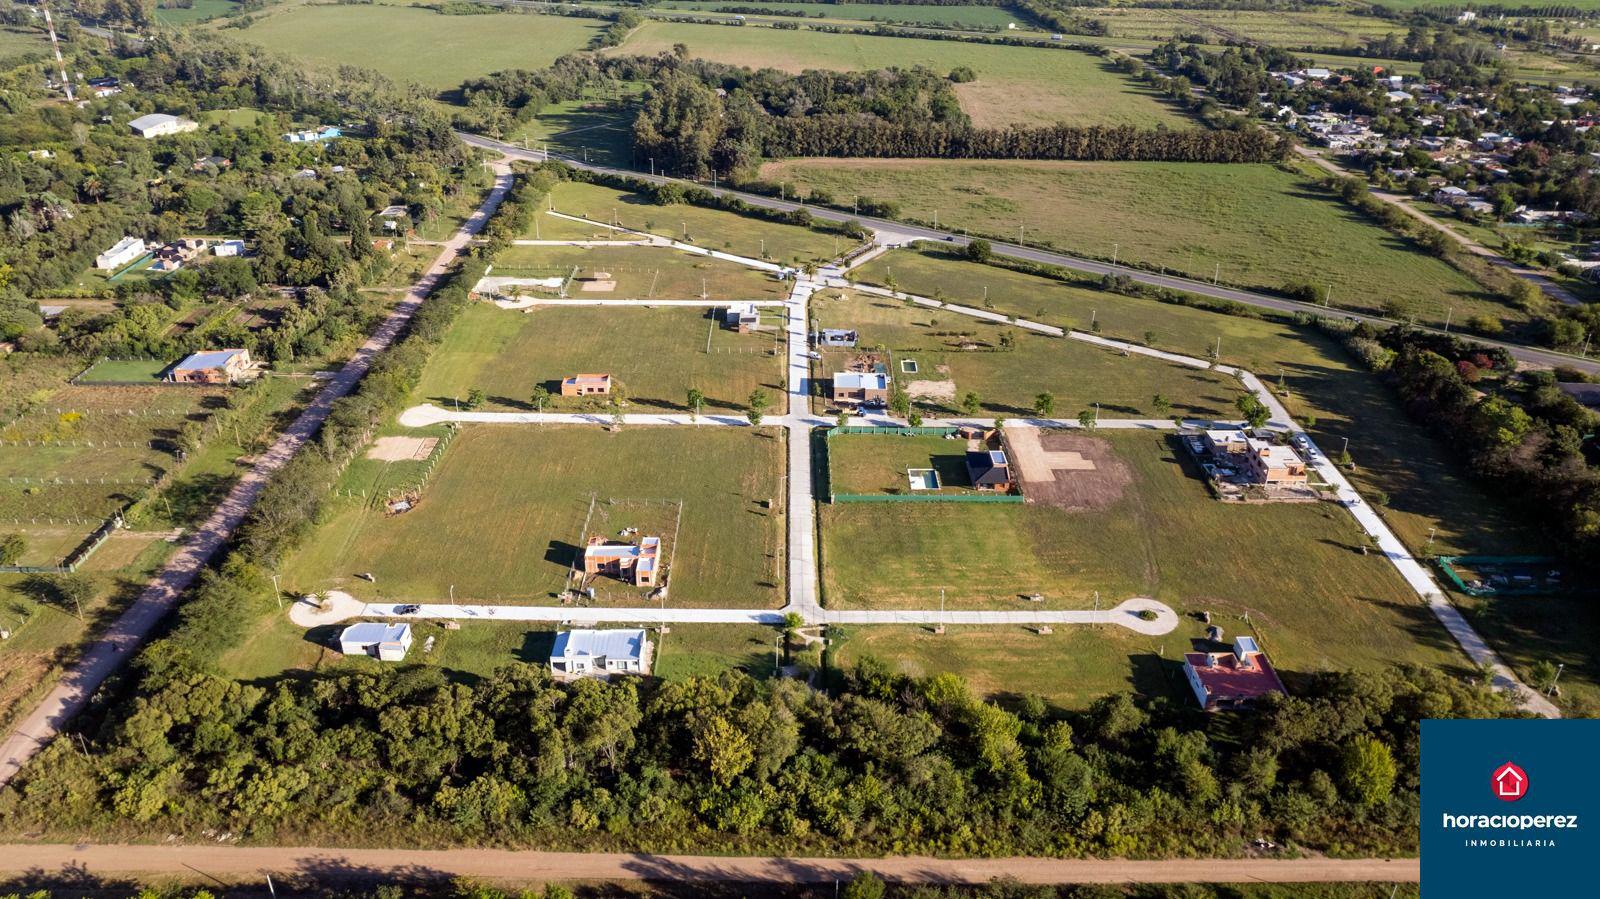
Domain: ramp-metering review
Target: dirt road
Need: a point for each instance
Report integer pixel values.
(107, 654)
(232, 863)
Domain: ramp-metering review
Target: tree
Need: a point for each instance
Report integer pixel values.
(1542, 675)
(1044, 405)
(842, 420)
(696, 399)
(865, 885)
(914, 419)
(979, 250)
(1149, 338)
(1367, 770)
(724, 749)
(538, 395)
(900, 403)
(73, 590)
(475, 397)
(12, 549)
(1254, 411)
(1161, 404)
(970, 404)
(759, 401)
(1088, 420)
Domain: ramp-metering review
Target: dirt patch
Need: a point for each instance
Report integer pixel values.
(597, 286)
(402, 449)
(1067, 469)
(931, 390)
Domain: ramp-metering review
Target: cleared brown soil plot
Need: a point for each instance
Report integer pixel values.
(1067, 470)
(402, 449)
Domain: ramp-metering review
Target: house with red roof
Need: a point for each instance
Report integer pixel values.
(1231, 680)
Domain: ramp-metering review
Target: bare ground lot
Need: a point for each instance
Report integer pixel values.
(1067, 470)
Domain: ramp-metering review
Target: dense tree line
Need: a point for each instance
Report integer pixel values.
(1522, 435)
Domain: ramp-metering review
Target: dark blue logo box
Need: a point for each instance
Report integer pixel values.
(1484, 833)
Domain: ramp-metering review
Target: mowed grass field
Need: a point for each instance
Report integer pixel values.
(1251, 225)
(1015, 85)
(419, 45)
(503, 518)
(710, 228)
(657, 355)
(877, 463)
(1294, 568)
(1077, 374)
(643, 273)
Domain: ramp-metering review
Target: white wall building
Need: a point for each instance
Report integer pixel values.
(123, 252)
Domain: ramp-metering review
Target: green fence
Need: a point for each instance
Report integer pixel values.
(1501, 581)
(897, 432)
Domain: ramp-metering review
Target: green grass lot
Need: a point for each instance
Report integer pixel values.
(1015, 85)
(17, 42)
(1069, 668)
(1077, 374)
(1262, 226)
(711, 228)
(506, 352)
(1317, 602)
(236, 117)
(595, 129)
(877, 463)
(644, 273)
(503, 518)
(992, 16)
(199, 11)
(28, 380)
(125, 370)
(1319, 28)
(419, 45)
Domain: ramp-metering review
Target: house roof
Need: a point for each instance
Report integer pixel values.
(860, 380)
(208, 359)
(619, 643)
(587, 378)
(375, 632)
(146, 122)
(1225, 677)
(982, 462)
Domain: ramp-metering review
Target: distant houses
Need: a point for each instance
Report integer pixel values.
(586, 385)
(313, 135)
(170, 257)
(1231, 680)
(600, 653)
(213, 367)
(638, 564)
(159, 124)
(121, 253)
(384, 642)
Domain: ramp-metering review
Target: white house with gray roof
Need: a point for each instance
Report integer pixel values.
(593, 653)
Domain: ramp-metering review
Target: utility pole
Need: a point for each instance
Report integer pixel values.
(685, 231)
(652, 166)
(1431, 532)
(1448, 313)
(1021, 229)
(1560, 667)
(1327, 297)
(1114, 248)
(855, 204)
(278, 594)
(936, 220)
(1216, 275)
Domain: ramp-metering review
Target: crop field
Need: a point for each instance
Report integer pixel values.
(1321, 28)
(711, 228)
(505, 353)
(1078, 375)
(1015, 85)
(1069, 668)
(1251, 225)
(419, 45)
(642, 273)
(1326, 605)
(504, 517)
(990, 16)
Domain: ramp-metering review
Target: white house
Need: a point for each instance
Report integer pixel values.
(123, 252)
(590, 653)
(741, 317)
(313, 135)
(229, 248)
(385, 642)
(159, 124)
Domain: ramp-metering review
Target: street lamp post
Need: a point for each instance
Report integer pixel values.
(277, 594)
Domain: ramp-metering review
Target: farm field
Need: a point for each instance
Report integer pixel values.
(1077, 374)
(1253, 225)
(711, 228)
(505, 353)
(1068, 669)
(643, 273)
(503, 518)
(1163, 537)
(1015, 85)
(419, 45)
(990, 16)
(1284, 28)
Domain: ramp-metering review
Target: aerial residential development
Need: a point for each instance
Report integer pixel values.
(788, 449)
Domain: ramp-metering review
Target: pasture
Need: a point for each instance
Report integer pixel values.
(196, 11)
(506, 353)
(1077, 374)
(959, 16)
(642, 273)
(1253, 226)
(505, 514)
(18, 42)
(1283, 28)
(713, 229)
(1015, 85)
(1294, 569)
(416, 44)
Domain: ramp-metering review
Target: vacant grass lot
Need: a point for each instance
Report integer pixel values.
(504, 515)
(197, 11)
(1294, 569)
(597, 128)
(125, 371)
(1015, 85)
(732, 233)
(1077, 374)
(1252, 225)
(507, 352)
(643, 273)
(419, 45)
(1069, 668)
(877, 463)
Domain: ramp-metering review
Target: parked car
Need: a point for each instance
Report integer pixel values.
(409, 608)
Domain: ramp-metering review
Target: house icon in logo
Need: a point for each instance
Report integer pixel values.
(1509, 782)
